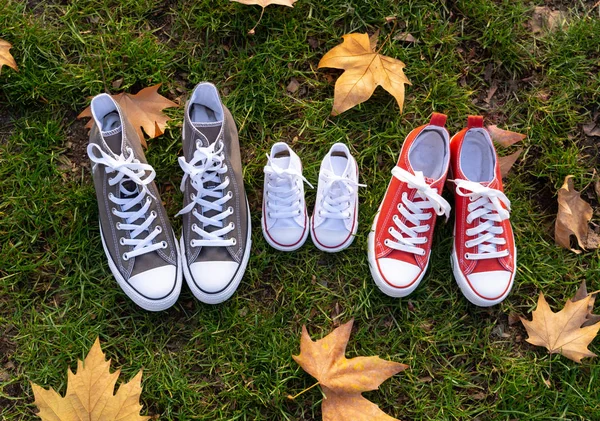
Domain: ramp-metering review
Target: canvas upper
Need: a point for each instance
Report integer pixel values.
(400, 241)
(484, 253)
(135, 229)
(216, 221)
(334, 221)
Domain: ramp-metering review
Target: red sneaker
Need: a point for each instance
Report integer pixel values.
(400, 240)
(484, 256)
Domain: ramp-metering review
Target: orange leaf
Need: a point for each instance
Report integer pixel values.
(507, 162)
(574, 215)
(6, 57)
(365, 69)
(344, 379)
(505, 138)
(143, 110)
(562, 332)
(90, 394)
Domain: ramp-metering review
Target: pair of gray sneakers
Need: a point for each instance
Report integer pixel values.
(143, 253)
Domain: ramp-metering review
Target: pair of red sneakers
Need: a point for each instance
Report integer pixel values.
(483, 255)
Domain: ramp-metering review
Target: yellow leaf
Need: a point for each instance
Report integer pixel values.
(342, 379)
(5, 57)
(143, 110)
(365, 69)
(90, 394)
(505, 138)
(562, 332)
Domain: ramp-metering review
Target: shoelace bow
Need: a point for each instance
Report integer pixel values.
(486, 205)
(283, 196)
(130, 170)
(337, 195)
(204, 169)
(407, 238)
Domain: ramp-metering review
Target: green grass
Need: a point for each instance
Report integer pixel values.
(233, 361)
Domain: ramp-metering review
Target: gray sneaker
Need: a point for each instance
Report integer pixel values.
(215, 242)
(137, 237)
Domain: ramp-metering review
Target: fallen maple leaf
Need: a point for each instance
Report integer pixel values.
(343, 380)
(6, 57)
(574, 215)
(562, 332)
(90, 394)
(365, 69)
(580, 295)
(263, 4)
(506, 138)
(143, 110)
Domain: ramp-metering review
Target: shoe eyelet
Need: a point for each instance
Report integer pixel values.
(153, 214)
(390, 230)
(125, 256)
(233, 241)
(164, 244)
(114, 211)
(118, 225)
(192, 243)
(230, 194)
(192, 196)
(111, 196)
(467, 256)
(158, 229)
(148, 201)
(231, 225)
(230, 210)
(122, 241)
(269, 214)
(386, 242)
(194, 228)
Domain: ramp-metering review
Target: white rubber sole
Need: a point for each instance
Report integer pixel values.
(282, 248)
(468, 292)
(136, 297)
(342, 246)
(386, 288)
(225, 294)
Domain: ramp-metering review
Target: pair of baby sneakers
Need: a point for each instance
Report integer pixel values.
(143, 253)
(483, 254)
(285, 221)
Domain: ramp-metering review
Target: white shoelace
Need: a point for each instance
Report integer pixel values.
(130, 169)
(284, 197)
(486, 205)
(338, 195)
(204, 168)
(407, 238)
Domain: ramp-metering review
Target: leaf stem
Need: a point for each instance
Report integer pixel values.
(262, 12)
(388, 37)
(290, 397)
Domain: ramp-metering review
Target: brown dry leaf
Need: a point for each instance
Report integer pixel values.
(405, 37)
(293, 86)
(504, 138)
(90, 394)
(343, 380)
(365, 69)
(143, 110)
(506, 162)
(580, 295)
(545, 18)
(6, 57)
(574, 215)
(562, 332)
(593, 127)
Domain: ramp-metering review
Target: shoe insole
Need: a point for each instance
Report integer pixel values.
(111, 122)
(202, 114)
(477, 158)
(427, 153)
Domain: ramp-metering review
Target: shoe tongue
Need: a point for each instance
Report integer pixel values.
(210, 131)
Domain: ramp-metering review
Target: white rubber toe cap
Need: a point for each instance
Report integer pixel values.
(286, 237)
(330, 238)
(213, 277)
(490, 285)
(399, 274)
(155, 283)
